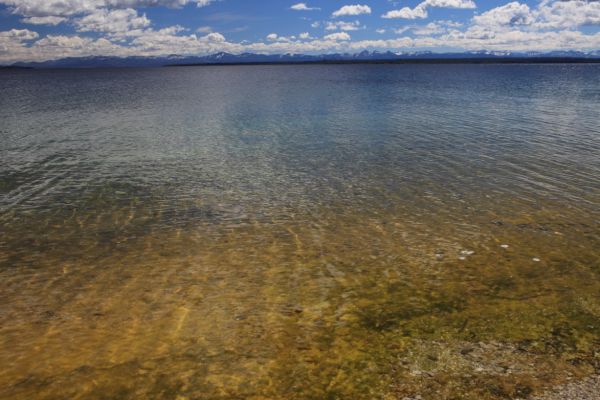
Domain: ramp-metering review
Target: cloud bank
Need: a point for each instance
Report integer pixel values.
(123, 28)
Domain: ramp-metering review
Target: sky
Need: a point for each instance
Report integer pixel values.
(36, 30)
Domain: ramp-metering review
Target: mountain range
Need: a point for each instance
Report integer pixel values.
(362, 57)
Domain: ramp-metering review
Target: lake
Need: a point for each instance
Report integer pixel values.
(299, 232)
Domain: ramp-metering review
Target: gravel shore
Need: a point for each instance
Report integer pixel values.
(588, 389)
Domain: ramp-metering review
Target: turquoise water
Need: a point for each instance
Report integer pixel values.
(299, 232)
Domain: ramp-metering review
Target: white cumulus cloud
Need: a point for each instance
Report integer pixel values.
(50, 20)
(62, 8)
(19, 35)
(511, 14)
(352, 10)
(303, 7)
(407, 13)
(112, 21)
(337, 36)
(343, 26)
(420, 11)
(550, 14)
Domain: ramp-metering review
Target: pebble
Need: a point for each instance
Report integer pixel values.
(504, 246)
(536, 259)
(587, 389)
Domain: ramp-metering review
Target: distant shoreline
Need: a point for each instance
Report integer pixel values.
(399, 61)
(14, 67)
(494, 60)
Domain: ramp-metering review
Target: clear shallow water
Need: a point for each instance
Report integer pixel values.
(299, 232)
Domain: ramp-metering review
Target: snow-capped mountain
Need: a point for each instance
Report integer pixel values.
(364, 56)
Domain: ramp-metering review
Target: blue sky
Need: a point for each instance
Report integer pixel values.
(49, 29)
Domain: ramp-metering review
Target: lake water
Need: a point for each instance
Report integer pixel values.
(299, 232)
